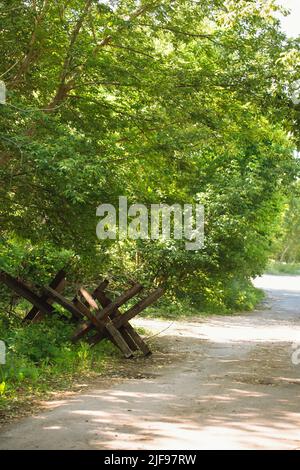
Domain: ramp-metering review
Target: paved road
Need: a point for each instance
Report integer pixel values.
(230, 384)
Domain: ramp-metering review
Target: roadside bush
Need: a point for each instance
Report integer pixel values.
(40, 352)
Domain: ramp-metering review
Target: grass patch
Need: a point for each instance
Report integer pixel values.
(173, 310)
(275, 267)
(41, 358)
(238, 299)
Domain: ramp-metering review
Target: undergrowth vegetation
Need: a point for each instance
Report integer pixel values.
(40, 357)
(279, 267)
(164, 102)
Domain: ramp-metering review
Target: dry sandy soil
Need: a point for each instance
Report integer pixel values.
(218, 383)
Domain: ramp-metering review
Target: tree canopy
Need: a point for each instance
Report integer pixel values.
(160, 101)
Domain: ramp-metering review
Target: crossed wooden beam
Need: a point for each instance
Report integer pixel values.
(97, 314)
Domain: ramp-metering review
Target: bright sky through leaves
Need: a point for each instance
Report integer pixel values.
(291, 23)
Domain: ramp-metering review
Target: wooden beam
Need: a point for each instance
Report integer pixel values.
(137, 339)
(119, 339)
(89, 299)
(82, 330)
(98, 324)
(101, 288)
(133, 339)
(58, 284)
(132, 312)
(21, 289)
(127, 295)
(112, 332)
(86, 311)
(87, 326)
(139, 307)
(103, 314)
(58, 298)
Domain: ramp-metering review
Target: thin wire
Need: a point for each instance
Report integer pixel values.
(33, 110)
(10, 68)
(21, 155)
(13, 143)
(160, 332)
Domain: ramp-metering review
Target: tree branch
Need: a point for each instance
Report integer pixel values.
(64, 87)
(139, 12)
(26, 62)
(178, 31)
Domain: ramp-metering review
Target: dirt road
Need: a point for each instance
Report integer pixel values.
(230, 384)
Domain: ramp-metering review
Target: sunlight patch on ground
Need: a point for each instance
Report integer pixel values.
(272, 282)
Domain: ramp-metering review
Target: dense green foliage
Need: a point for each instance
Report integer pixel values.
(41, 356)
(287, 245)
(282, 268)
(170, 101)
(163, 102)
